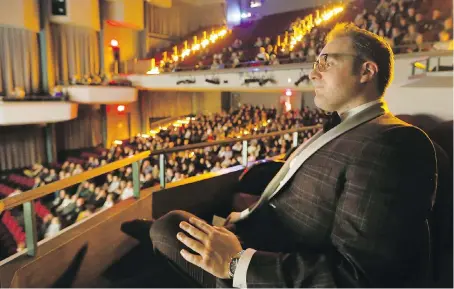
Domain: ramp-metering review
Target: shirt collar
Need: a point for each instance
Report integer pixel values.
(358, 109)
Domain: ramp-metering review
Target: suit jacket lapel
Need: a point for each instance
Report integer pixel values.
(304, 145)
(350, 123)
(275, 182)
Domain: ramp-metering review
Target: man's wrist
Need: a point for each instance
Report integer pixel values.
(234, 263)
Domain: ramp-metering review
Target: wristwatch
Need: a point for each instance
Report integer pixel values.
(234, 263)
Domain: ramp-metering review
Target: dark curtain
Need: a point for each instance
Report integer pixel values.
(183, 18)
(19, 60)
(21, 146)
(82, 132)
(166, 104)
(74, 50)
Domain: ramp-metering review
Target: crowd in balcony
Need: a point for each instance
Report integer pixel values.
(80, 201)
(408, 26)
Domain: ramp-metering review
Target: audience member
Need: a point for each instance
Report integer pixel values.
(262, 55)
(53, 228)
(445, 43)
(400, 22)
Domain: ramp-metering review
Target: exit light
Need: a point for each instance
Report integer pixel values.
(114, 43)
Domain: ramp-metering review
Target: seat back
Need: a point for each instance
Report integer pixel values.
(441, 224)
(255, 178)
(440, 219)
(442, 134)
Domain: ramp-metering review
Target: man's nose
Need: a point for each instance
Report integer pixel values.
(314, 74)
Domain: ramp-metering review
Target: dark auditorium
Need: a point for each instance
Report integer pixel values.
(226, 143)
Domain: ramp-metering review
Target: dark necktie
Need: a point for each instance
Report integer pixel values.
(331, 121)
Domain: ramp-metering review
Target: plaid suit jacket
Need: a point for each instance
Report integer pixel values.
(354, 214)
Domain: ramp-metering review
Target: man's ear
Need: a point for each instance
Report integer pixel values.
(368, 71)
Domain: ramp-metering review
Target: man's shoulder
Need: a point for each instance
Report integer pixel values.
(388, 128)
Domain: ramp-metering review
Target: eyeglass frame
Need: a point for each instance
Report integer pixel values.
(316, 64)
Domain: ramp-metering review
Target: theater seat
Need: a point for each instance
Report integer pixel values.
(441, 223)
(255, 178)
(440, 220)
(253, 182)
(242, 201)
(442, 134)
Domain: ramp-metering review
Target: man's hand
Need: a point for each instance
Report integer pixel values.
(215, 246)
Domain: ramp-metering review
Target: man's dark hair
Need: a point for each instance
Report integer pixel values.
(369, 47)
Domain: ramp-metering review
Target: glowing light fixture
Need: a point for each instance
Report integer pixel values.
(153, 71)
(114, 43)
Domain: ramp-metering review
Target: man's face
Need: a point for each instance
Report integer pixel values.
(80, 202)
(396, 32)
(448, 24)
(436, 14)
(336, 83)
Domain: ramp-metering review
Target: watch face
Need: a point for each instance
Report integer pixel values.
(233, 265)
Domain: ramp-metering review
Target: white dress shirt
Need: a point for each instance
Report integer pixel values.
(239, 278)
(127, 193)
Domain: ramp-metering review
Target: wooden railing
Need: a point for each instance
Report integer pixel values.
(26, 198)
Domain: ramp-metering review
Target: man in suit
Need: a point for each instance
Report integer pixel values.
(349, 207)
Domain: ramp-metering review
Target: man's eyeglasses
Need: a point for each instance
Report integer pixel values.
(322, 65)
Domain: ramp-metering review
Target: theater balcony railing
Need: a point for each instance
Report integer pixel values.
(26, 198)
(430, 71)
(254, 76)
(36, 110)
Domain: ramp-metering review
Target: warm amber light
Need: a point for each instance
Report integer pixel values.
(154, 70)
(114, 43)
(196, 47)
(205, 42)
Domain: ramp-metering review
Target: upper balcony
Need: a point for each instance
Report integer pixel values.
(36, 111)
(271, 78)
(101, 94)
(256, 78)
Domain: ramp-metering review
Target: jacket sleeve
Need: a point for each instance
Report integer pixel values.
(379, 235)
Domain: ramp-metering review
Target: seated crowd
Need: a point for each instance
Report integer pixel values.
(409, 26)
(80, 201)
